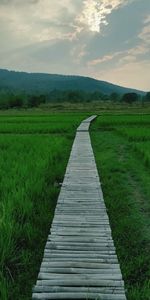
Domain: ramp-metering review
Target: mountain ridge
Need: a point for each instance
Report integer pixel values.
(45, 83)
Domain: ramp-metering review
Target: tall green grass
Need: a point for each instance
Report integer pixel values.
(47, 118)
(138, 133)
(37, 128)
(125, 183)
(30, 168)
(121, 120)
(39, 124)
(143, 149)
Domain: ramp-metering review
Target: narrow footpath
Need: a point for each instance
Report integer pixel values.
(80, 260)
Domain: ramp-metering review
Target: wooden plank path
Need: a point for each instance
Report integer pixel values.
(80, 260)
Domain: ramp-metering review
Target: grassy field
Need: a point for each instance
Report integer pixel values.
(122, 149)
(32, 165)
(34, 150)
(104, 107)
(43, 124)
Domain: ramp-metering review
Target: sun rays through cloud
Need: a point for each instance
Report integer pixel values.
(95, 12)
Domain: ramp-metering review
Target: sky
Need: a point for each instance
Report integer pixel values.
(106, 39)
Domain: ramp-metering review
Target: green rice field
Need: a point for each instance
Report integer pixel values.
(122, 149)
(34, 151)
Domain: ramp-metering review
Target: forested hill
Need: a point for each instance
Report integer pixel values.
(44, 83)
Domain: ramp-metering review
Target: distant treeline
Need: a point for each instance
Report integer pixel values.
(9, 99)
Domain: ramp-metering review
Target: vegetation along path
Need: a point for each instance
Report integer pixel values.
(80, 260)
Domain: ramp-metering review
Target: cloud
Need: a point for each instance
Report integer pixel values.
(36, 21)
(145, 34)
(95, 12)
(132, 54)
(105, 58)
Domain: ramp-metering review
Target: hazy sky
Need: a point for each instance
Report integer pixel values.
(105, 39)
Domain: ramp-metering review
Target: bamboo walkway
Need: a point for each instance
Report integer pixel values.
(80, 260)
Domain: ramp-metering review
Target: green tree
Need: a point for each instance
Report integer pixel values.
(15, 101)
(114, 97)
(34, 101)
(130, 98)
(4, 100)
(96, 96)
(147, 96)
(74, 96)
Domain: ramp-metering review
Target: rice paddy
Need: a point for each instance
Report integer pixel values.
(122, 149)
(34, 151)
(32, 166)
